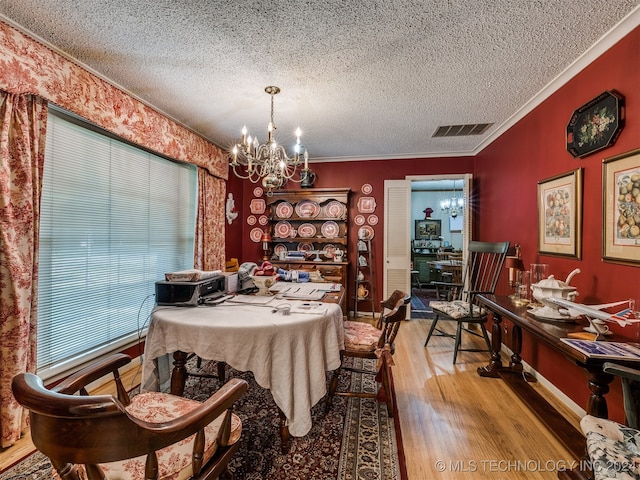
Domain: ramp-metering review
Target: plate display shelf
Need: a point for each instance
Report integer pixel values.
(326, 210)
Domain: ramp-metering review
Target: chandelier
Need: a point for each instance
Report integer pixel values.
(267, 162)
(454, 205)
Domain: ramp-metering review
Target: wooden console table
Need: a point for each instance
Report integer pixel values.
(550, 333)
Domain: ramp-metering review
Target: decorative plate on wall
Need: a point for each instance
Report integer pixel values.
(373, 219)
(256, 234)
(263, 220)
(596, 125)
(359, 219)
(366, 189)
(366, 204)
(366, 232)
(257, 206)
(251, 220)
(257, 192)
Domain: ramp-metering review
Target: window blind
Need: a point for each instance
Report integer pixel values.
(114, 219)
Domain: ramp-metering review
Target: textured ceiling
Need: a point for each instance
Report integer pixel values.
(363, 79)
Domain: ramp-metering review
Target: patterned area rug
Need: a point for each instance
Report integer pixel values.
(420, 298)
(356, 440)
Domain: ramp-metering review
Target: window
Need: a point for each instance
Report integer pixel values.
(114, 219)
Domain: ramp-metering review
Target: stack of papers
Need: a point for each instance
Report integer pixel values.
(300, 291)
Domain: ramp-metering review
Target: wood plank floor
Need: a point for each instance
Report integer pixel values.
(455, 425)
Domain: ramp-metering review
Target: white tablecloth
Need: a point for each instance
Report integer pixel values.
(288, 354)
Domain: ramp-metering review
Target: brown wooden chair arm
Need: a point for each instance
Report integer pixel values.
(199, 417)
(84, 377)
(29, 390)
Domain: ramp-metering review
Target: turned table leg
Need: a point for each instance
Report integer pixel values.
(599, 385)
(284, 431)
(179, 373)
(495, 363)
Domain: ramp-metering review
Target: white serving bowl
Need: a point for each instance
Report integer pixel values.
(552, 287)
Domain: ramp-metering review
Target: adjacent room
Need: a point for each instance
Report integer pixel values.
(319, 240)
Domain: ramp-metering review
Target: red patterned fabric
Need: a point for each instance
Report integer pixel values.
(210, 233)
(27, 66)
(174, 462)
(23, 121)
(360, 336)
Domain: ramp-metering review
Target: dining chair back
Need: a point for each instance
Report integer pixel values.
(366, 341)
(151, 435)
(479, 276)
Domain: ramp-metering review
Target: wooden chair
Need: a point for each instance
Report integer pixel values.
(480, 276)
(102, 437)
(448, 289)
(613, 448)
(363, 340)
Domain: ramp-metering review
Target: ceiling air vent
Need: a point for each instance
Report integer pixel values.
(461, 130)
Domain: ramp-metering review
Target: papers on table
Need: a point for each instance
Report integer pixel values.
(606, 350)
(304, 291)
(251, 299)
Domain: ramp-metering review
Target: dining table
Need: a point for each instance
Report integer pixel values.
(287, 344)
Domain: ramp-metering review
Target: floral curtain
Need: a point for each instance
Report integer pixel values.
(23, 123)
(210, 235)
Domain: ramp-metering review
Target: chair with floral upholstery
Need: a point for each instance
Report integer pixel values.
(479, 276)
(151, 435)
(363, 340)
(613, 448)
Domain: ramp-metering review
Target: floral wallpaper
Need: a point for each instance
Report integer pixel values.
(28, 66)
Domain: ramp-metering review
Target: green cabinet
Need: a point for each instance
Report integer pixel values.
(421, 264)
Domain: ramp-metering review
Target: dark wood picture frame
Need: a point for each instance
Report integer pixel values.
(595, 125)
(428, 229)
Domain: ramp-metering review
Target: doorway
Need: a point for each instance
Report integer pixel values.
(401, 214)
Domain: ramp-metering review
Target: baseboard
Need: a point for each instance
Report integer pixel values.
(558, 394)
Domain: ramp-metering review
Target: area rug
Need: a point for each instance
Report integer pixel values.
(420, 298)
(355, 440)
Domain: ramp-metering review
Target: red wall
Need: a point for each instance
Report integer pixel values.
(353, 174)
(505, 183)
(507, 172)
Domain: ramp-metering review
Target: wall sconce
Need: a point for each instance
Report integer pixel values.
(265, 239)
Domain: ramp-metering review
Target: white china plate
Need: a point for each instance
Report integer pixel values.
(307, 209)
(282, 229)
(284, 210)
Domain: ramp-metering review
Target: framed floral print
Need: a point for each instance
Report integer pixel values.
(560, 215)
(595, 125)
(621, 208)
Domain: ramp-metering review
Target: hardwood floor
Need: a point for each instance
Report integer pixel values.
(455, 424)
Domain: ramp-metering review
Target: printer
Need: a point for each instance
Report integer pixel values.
(190, 293)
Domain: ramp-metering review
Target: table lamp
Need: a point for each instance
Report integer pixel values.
(515, 265)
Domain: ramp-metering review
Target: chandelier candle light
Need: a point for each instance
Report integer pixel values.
(453, 205)
(269, 161)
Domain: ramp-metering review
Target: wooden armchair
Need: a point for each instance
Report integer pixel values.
(363, 340)
(150, 436)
